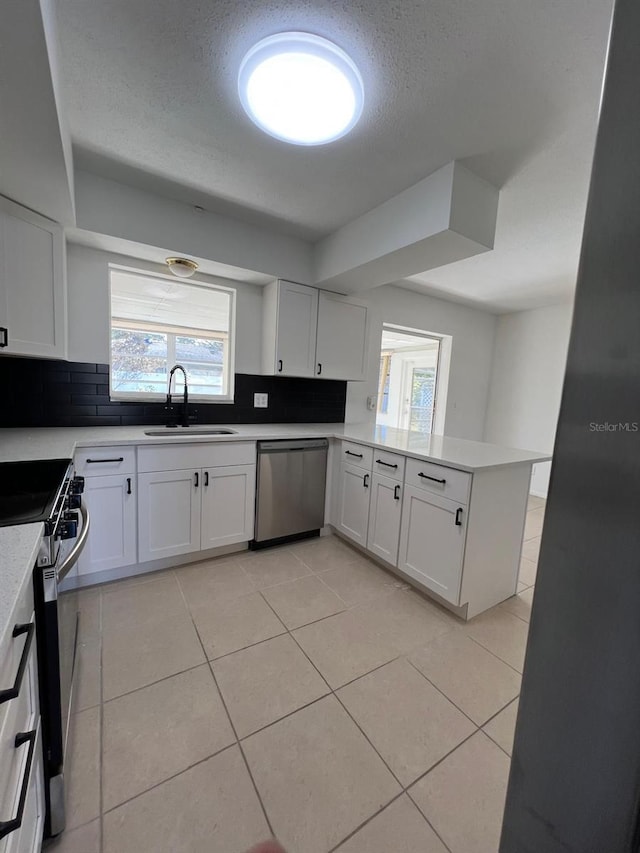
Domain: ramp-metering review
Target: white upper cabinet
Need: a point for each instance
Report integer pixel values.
(307, 332)
(341, 340)
(291, 319)
(32, 284)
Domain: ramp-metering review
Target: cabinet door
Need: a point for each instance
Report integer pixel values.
(168, 514)
(228, 500)
(111, 502)
(353, 515)
(32, 283)
(28, 839)
(384, 518)
(341, 347)
(297, 320)
(432, 542)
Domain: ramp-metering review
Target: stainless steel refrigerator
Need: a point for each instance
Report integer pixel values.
(574, 785)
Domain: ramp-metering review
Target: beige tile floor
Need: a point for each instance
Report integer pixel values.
(302, 692)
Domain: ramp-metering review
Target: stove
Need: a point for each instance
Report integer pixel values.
(47, 491)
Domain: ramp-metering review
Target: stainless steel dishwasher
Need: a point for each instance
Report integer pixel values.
(290, 490)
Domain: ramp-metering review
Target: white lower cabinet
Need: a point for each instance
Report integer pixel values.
(168, 514)
(385, 512)
(111, 503)
(28, 839)
(432, 542)
(21, 714)
(353, 510)
(228, 498)
(194, 510)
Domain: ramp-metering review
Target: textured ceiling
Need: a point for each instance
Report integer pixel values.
(510, 87)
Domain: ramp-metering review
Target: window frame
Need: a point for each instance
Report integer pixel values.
(155, 397)
(443, 364)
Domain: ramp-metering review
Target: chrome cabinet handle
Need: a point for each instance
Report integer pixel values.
(13, 692)
(8, 826)
(427, 477)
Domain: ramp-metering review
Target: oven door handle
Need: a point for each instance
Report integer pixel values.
(73, 555)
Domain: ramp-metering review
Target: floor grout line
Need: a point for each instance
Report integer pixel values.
(443, 842)
(405, 789)
(502, 660)
(441, 692)
(231, 723)
(367, 821)
(100, 759)
(152, 683)
(169, 778)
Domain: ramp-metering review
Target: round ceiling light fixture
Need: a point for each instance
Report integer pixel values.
(301, 88)
(182, 267)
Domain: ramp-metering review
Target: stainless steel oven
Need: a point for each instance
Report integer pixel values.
(56, 605)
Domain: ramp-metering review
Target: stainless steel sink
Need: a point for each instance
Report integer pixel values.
(191, 430)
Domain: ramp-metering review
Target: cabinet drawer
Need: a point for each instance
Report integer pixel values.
(13, 649)
(20, 717)
(99, 461)
(447, 482)
(196, 456)
(357, 454)
(28, 837)
(388, 464)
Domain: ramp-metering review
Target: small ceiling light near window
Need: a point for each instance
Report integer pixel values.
(301, 88)
(182, 267)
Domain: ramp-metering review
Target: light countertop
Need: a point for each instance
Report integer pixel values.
(18, 551)
(51, 443)
(19, 544)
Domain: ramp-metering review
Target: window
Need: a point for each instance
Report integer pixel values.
(156, 322)
(409, 379)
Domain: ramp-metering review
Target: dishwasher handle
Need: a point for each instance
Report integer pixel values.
(285, 446)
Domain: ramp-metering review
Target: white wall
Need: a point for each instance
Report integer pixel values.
(88, 295)
(125, 212)
(528, 372)
(472, 333)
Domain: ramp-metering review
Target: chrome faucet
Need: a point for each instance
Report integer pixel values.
(185, 401)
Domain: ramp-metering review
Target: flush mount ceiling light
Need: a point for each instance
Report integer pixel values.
(301, 88)
(182, 267)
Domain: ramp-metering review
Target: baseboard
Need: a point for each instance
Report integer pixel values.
(140, 569)
(536, 494)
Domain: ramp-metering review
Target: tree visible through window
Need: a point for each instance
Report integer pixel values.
(156, 323)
